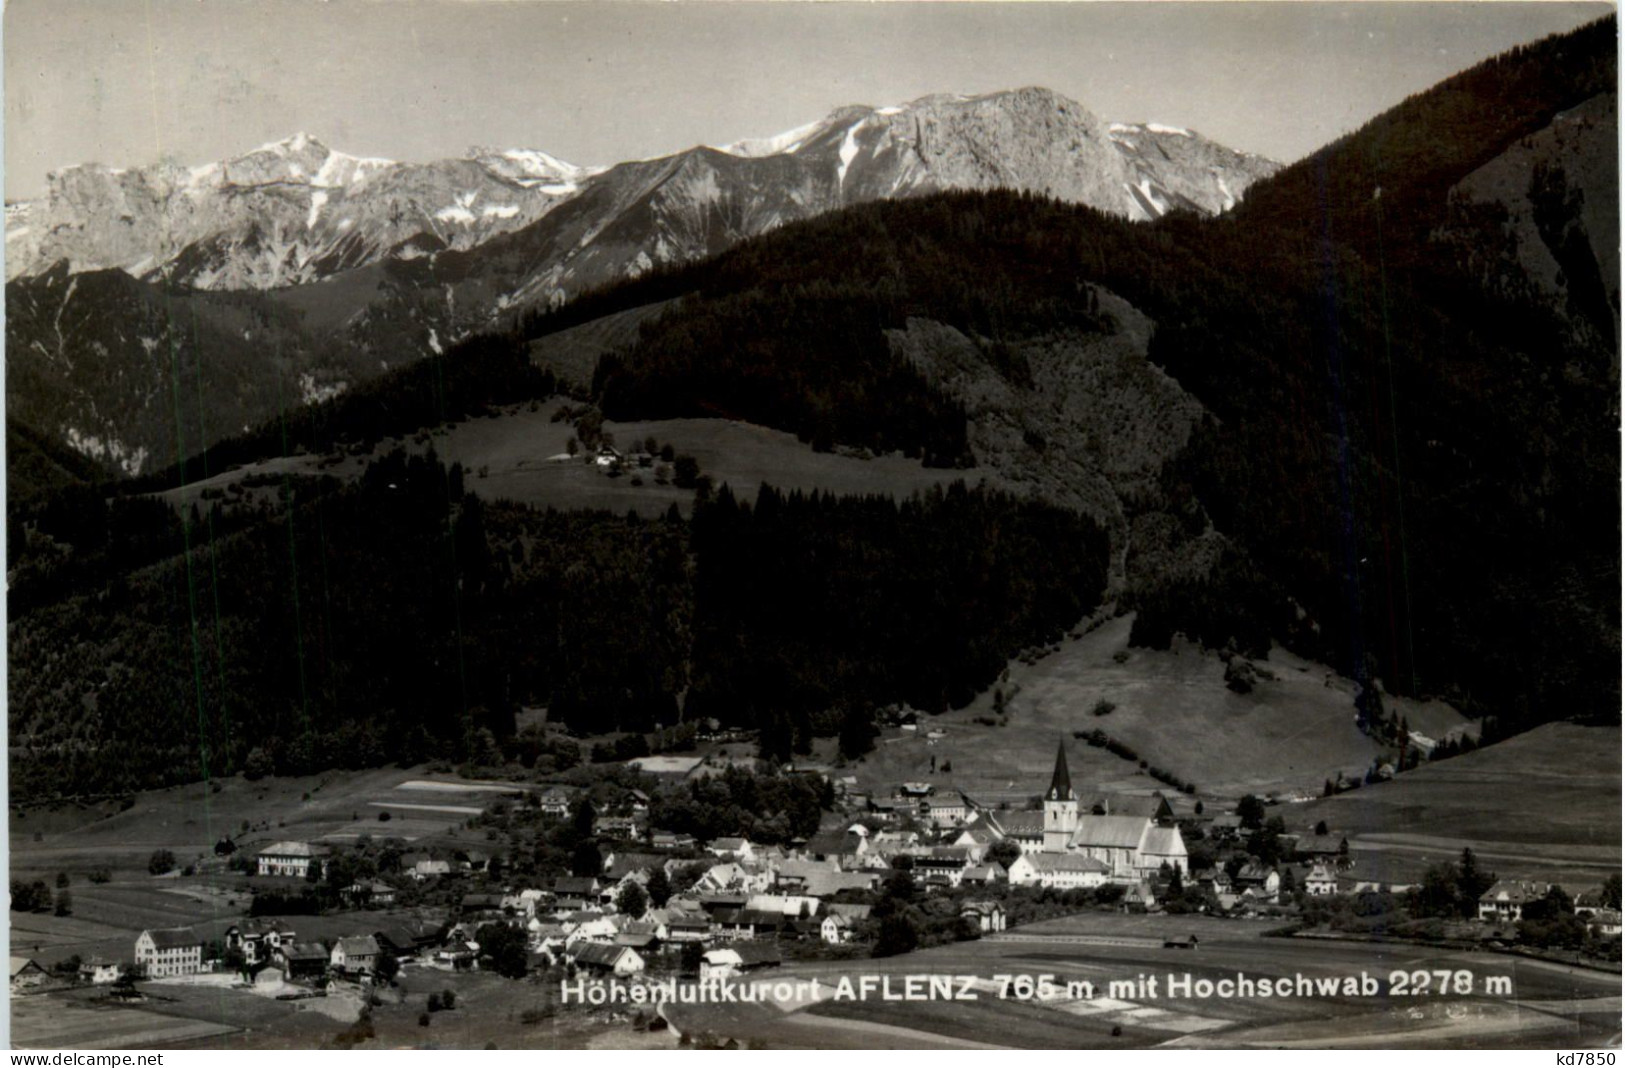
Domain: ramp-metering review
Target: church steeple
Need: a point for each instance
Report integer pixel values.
(1060, 784)
(1060, 806)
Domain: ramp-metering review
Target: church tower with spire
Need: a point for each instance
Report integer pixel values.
(1060, 805)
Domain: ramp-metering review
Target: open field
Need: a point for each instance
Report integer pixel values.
(1545, 804)
(489, 1011)
(1549, 1005)
(55, 1021)
(78, 839)
(1172, 707)
(522, 453)
(188, 820)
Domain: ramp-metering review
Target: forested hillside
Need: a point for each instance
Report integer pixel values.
(1404, 464)
(1425, 462)
(401, 618)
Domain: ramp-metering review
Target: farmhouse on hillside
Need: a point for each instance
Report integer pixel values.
(26, 974)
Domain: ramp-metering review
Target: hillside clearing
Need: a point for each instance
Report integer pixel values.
(1172, 707)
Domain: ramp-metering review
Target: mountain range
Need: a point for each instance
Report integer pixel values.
(294, 272)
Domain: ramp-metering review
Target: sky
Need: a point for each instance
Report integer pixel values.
(131, 82)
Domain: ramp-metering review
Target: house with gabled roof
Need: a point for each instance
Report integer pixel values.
(985, 874)
(670, 840)
(1604, 921)
(607, 958)
(1061, 871)
(1023, 826)
(26, 974)
(582, 888)
(555, 802)
(356, 955)
(1321, 881)
(948, 862)
(369, 893)
(987, 915)
(738, 849)
(735, 959)
(1506, 899)
(1261, 880)
(834, 847)
(258, 938)
(99, 971)
(303, 960)
(426, 867)
(948, 809)
(169, 951)
(1322, 847)
(621, 863)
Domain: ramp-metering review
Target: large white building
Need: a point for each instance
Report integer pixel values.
(1128, 847)
(1062, 871)
(169, 951)
(288, 858)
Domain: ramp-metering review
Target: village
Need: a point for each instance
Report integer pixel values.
(881, 876)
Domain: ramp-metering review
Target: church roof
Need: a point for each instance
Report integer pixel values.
(1163, 842)
(1153, 807)
(1060, 783)
(1120, 832)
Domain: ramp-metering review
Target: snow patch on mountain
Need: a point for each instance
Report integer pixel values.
(849, 152)
(785, 143)
(318, 200)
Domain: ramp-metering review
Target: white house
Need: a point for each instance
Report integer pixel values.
(1604, 921)
(1320, 882)
(99, 970)
(169, 951)
(355, 955)
(731, 848)
(288, 858)
(948, 810)
(429, 868)
(583, 928)
(1506, 899)
(258, 939)
(741, 957)
(836, 928)
(555, 802)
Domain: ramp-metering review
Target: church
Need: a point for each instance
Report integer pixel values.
(1131, 837)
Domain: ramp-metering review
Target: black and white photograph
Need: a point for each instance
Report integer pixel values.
(779, 525)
